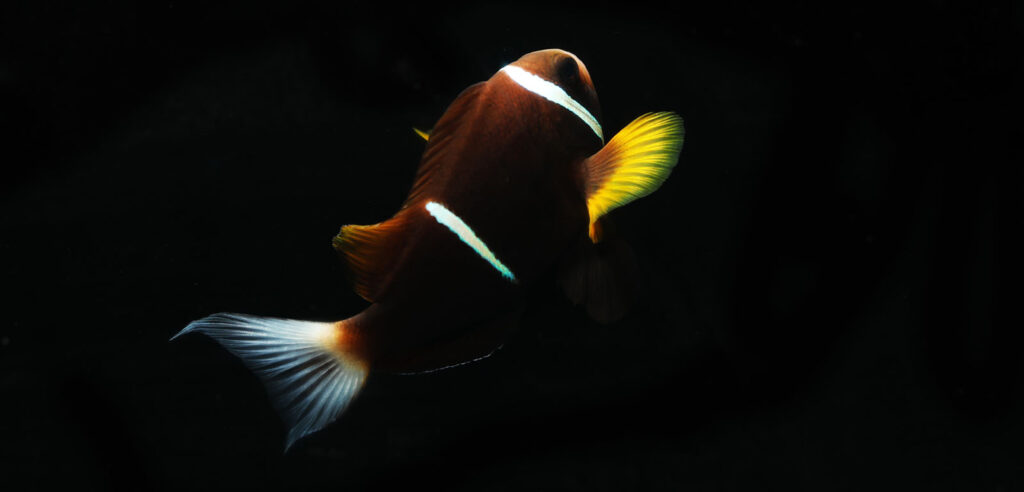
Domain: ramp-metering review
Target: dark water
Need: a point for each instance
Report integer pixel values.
(830, 280)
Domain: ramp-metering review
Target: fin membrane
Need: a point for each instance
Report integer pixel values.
(476, 342)
(310, 378)
(633, 164)
(369, 252)
(443, 142)
(422, 134)
(603, 277)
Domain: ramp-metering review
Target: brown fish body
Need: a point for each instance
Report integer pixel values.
(513, 183)
(508, 163)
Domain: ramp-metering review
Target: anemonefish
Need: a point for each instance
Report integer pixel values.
(512, 187)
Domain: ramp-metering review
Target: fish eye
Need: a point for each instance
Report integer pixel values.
(567, 69)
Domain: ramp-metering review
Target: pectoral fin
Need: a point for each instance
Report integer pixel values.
(632, 165)
(602, 277)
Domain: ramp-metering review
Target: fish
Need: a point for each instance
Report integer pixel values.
(513, 189)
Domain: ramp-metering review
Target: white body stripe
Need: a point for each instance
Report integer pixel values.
(448, 219)
(553, 93)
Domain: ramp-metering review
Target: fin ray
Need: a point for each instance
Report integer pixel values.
(440, 142)
(603, 277)
(369, 252)
(478, 341)
(633, 164)
(310, 378)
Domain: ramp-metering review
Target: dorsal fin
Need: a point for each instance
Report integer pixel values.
(441, 142)
(633, 164)
(370, 252)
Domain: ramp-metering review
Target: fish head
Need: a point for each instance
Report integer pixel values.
(566, 71)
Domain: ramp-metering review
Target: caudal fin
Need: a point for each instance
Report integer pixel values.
(311, 379)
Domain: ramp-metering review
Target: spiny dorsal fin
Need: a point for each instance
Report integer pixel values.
(441, 142)
(369, 252)
(633, 164)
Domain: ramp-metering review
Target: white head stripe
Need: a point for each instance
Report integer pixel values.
(552, 93)
(455, 224)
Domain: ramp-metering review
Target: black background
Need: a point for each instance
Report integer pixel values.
(830, 293)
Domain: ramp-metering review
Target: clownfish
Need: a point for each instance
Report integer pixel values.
(512, 186)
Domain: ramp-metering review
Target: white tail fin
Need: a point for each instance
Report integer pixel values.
(310, 379)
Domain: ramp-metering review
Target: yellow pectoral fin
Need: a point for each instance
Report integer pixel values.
(633, 164)
(424, 135)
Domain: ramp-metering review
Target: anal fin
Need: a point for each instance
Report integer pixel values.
(475, 342)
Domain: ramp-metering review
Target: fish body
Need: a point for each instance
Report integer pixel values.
(512, 185)
(507, 163)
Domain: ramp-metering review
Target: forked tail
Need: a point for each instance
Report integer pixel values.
(309, 375)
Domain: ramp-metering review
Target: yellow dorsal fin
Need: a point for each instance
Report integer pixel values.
(370, 252)
(632, 165)
(424, 135)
